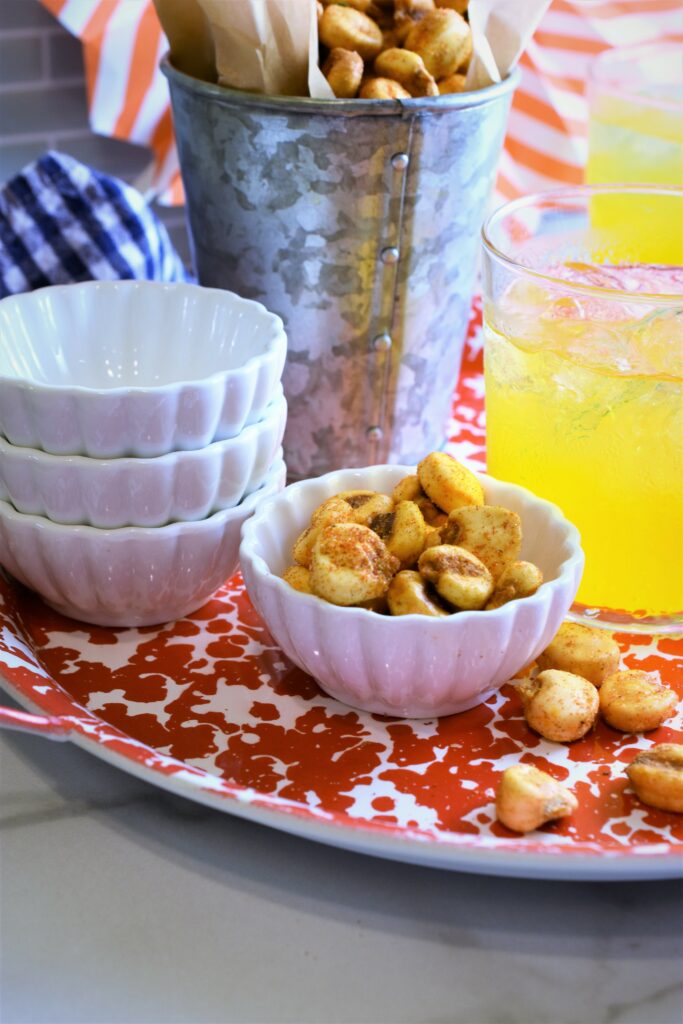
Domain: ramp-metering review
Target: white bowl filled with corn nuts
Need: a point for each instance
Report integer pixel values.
(410, 592)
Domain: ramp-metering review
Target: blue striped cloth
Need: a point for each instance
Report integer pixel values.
(61, 221)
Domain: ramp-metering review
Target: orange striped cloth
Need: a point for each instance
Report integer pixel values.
(547, 137)
(127, 94)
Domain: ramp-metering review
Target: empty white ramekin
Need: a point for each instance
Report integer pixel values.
(112, 493)
(131, 577)
(412, 665)
(134, 368)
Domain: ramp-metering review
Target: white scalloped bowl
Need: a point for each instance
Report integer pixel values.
(134, 368)
(136, 576)
(113, 493)
(412, 666)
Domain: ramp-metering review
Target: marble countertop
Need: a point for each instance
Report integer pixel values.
(120, 904)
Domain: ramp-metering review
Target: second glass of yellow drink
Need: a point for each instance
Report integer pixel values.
(635, 134)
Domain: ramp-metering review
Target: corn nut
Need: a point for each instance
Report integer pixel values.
(390, 39)
(558, 705)
(448, 484)
(527, 798)
(403, 530)
(453, 83)
(408, 70)
(379, 605)
(299, 578)
(521, 579)
(364, 6)
(407, 13)
(590, 653)
(432, 537)
(351, 30)
(331, 511)
(408, 489)
(491, 533)
(343, 69)
(459, 6)
(408, 595)
(657, 776)
(459, 576)
(383, 89)
(350, 564)
(366, 504)
(444, 41)
(633, 701)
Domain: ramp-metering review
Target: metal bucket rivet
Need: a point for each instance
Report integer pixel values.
(382, 343)
(400, 161)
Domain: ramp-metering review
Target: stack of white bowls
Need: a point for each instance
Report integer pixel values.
(140, 425)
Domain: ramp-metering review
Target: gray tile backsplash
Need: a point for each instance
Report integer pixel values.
(21, 60)
(22, 14)
(43, 106)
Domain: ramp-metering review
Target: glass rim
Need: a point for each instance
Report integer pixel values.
(577, 192)
(598, 72)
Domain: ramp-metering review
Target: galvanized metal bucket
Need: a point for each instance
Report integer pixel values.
(358, 222)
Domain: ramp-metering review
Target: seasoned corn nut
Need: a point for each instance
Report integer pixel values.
(491, 533)
(366, 504)
(403, 531)
(633, 701)
(403, 24)
(432, 515)
(390, 38)
(351, 30)
(521, 579)
(458, 575)
(379, 605)
(414, 8)
(350, 564)
(448, 484)
(453, 83)
(343, 69)
(459, 6)
(299, 578)
(408, 70)
(527, 798)
(364, 6)
(407, 13)
(408, 595)
(408, 489)
(303, 545)
(331, 511)
(444, 41)
(432, 538)
(559, 705)
(383, 89)
(657, 776)
(591, 653)
(383, 17)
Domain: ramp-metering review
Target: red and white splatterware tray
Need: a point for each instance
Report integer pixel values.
(208, 708)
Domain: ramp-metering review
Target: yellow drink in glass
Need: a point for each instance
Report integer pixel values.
(636, 135)
(584, 388)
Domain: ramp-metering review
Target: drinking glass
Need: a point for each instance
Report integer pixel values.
(636, 120)
(583, 321)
